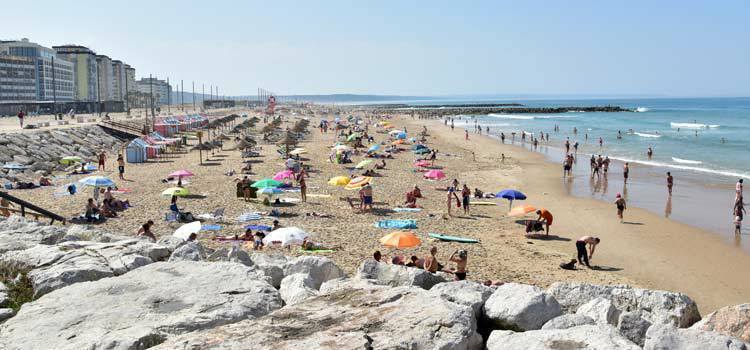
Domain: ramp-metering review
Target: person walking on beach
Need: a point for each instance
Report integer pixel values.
(466, 135)
(121, 167)
(739, 211)
(302, 185)
(567, 146)
(452, 194)
(625, 172)
(21, 114)
(601, 142)
(451, 124)
(650, 152)
(621, 206)
(581, 243)
(738, 191)
(670, 182)
(502, 137)
(575, 147)
(102, 160)
(465, 198)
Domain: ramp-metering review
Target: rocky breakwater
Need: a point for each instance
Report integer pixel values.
(231, 299)
(42, 150)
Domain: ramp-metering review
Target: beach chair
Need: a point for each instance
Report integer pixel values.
(217, 215)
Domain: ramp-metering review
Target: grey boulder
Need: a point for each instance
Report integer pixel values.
(376, 318)
(663, 337)
(296, 288)
(568, 321)
(600, 310)
(589, 337)
(520, 307)
(140, 309)
(730, 320)
(271, 265)
(397, 275)
(632, 326)
(319, 269)
(190, 251)
(471, 294)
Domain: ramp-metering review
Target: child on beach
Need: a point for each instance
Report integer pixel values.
(620, 203)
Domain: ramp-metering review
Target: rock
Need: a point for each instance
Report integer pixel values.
(632, 326)
(5, 314)
(4, 298)
(520, 307)
(320, 269)
(17, 234)
(22, 159)
(660, 307)
(140, 309)
(589, 337)
(660, 337)
(271, 265)
(731, 320)
(171, 242)
(344, 283)
(396, 275)
(221, 254)
(296, 288)
(568, 321)
(471, 294)
(600, 310)
(236, 254)
(61, 137)
(376, 318)
(190, 251)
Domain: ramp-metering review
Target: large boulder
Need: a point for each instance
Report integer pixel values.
(5, 314)
(632, 326)
(471, 294)
(397, 275)
(520, 307)
(375, 318)
(660, 337)
(320, 269)
(296, 288)
(56, 266)
(344, 283)
(271, 265)
(140, 309)
(4, 298)
(660, 307)
(730, 320)
(600, 310)
(17, 234)
(588, 337)
(568, 321)
(190, 251)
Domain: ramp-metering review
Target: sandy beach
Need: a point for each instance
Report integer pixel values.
(652, 252)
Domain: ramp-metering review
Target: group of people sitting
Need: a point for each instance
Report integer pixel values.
(108, 209)
(430, 263)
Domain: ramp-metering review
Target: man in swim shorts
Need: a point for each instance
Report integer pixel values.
(583, 256)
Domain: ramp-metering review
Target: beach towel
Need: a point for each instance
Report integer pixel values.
(210, 227)
(317, 251)
(402, 224)
(407, 210)
(248, 217)
(122, 190)
(314, 195)
(258, 227)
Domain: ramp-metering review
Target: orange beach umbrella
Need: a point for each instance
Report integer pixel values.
(522, 210)
(400, 239)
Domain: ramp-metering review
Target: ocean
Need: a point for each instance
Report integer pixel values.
(703, 142)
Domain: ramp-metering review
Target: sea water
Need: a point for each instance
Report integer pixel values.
(703, 142)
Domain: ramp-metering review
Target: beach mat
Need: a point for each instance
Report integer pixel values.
(448, 238)
(258, 227)
(401, 224)
(210, 227)
(249, 217)
(407, 210)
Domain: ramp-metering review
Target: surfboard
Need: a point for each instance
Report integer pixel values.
(443, 237)
(482, 203)
(315, 195)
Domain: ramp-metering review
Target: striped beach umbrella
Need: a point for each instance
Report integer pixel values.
(358, 182)
(97, 181)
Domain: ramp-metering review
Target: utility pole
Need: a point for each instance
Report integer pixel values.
(127, 105)
(151, 87)
(169, 96)
(182, 94)
(203, 94)
(193, 96)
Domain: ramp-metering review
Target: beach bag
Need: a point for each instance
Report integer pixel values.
(186, 217)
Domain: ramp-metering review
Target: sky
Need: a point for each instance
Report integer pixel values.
(418, 48)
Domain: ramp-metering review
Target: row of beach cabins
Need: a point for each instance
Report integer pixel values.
(168, 132)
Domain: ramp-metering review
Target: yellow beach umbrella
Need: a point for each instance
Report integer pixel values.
(363, 163)
(339, 181)
(175, 191)
(358, 182)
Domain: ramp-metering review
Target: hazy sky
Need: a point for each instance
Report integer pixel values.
(677, 48)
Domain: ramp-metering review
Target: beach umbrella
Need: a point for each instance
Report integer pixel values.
(363, 163)
(373, 148)
(522, 210)
(286, 174)
(298, 151)
(352, 136)
(175, 191)
(97, 181)
(400, 239)
(510, 195)
(286, 236)
(339, 181)
(270, 191)
(422, 151)
(398, 142)
(180, 173)
(419, 146)
(434, 175)
(389, 126)
(395, 132)
(265, 183)
(422, 163)
(358, 182)
(341, 148)
(186, 230)
(70, 160)
(401, 135)
(14, 166)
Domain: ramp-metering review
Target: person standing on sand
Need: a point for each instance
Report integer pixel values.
(625, 172)
(583, 256)
(502, 137)
(567, 146)
(739, 211)
(121, 167)
(21, 114)
(451, 195)
(461, 258)
(466, 135)
(102, 161)
(302, 185)
(621, 206)
(670, 182)
(465, 198)
(650, 152)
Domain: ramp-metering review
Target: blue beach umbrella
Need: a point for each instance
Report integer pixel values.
(510, 195)
(373, 148)
(401, 135)
(97, 181)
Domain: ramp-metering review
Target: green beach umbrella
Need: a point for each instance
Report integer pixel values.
(175, 191)
(70, 160)
(363, 163)
(352, 136)
(266, 183)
